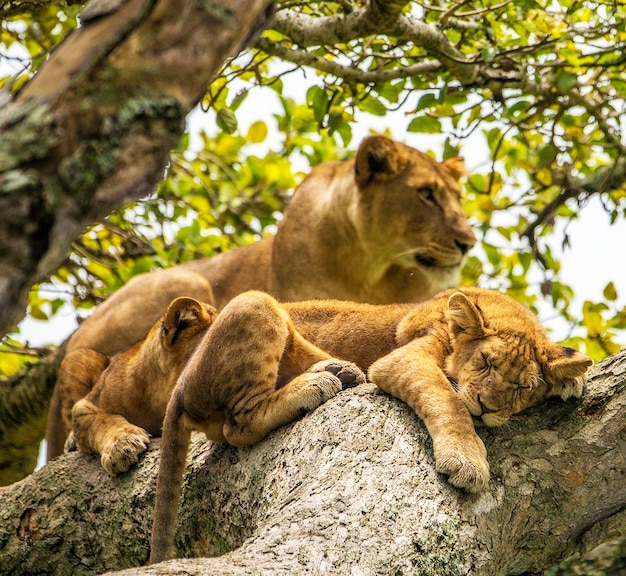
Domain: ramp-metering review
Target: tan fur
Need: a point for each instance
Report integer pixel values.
(386, 226)
(486, 345)
(113, 408)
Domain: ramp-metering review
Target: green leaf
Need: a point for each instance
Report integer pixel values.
(425, 124)
(489, 52)
(493, 254)
(546, 154)
(238, 100)
(525, 259)
(317, 99)
(226, 120)
(37, 313)
(592, 318)
(257, 132)
(565, 81)
(373, 106)
(610, 293)
(426, 101)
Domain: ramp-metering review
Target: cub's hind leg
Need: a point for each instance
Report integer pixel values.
(251, 421)
(258, 372)
(295, 378)
(78, 374)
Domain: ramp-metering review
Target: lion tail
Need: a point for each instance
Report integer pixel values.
(174, 447)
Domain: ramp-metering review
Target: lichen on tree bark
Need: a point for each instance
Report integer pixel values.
(98, 121)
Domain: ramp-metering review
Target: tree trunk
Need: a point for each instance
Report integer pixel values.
(92, 130)
(349, 489)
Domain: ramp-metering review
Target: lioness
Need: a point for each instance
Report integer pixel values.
(386, 226)
(466, 352)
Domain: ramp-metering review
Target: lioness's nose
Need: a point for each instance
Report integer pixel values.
(463, 247)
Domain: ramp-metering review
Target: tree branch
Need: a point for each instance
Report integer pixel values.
(605, 179)
(350, 488)
(348, 73)
(92, 130)
(306, 31)
(24, 403)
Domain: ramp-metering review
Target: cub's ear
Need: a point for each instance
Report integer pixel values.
(184, 313)
(456, 167)
(376, 159)
(565, 372)
(464, 317)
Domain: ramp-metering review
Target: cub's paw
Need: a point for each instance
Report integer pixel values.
(349, 374)
(123, 447)
(323, 387)
(70, 443)
(464, 462)
(311, 389)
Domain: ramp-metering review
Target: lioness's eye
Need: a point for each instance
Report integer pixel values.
(486, 360)
(427, 192)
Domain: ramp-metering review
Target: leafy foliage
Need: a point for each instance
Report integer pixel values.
(538, 86)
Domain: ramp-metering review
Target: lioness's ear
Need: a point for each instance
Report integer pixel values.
(456, 167)
(376, 159)
(565, 372)
(184, 313)
(464, 317)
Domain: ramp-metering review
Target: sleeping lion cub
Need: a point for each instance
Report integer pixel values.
(257, 365)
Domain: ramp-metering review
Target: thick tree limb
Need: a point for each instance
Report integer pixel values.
(9, 8)
(349, 489)
(93, 129)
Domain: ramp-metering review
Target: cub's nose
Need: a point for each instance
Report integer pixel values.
(485, 409)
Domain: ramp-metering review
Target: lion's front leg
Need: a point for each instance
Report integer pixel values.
(118, 442)
(464, 461)
(412, 374)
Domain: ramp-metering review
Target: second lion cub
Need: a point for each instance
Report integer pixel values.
(252, 372)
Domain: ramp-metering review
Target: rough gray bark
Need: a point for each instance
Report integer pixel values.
(349, 489)
(93, 129)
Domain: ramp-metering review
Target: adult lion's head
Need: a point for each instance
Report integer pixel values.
(410, 212)
(502, 360)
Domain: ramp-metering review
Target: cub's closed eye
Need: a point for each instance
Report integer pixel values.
(427, 192)
(486, 359)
